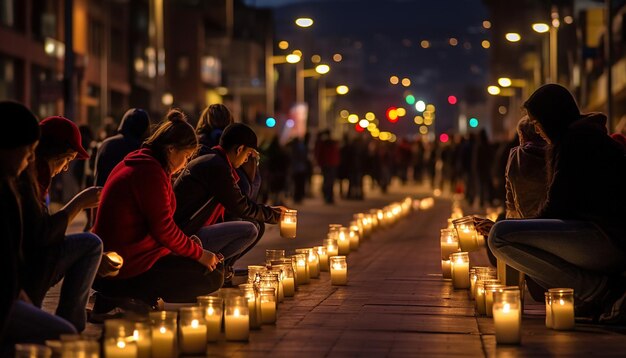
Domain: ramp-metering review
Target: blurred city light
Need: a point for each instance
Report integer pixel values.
(337, 57)
(444, 138)
(167, 99)
(428, 121)
(487, 24)
(293, 58)
(568, 19)
(270, 122)
(358, 128)
(486, 44)
(493, 90)
(541, 27)
(316, 59)
(423, 130)
(502, 110)
(304, 22)
(473, 122)
(363, 123)
(290, 123)
(452, 99)
(430, 107)
(342, 89)
(410, 99)
(406, 82)
(370, 116)
(344, 113)
(371, 126)
(418, 120)
(394, 80)
(353, 118)
(504, 82)
(392, 114)
(453, 41)
(425, 44)
(297, 52)
(322, 69)
(420, 106)
(283, 45)
(513, 36)
(401, 112)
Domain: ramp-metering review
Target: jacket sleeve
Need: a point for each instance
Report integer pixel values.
(41, 229)
(229, 194)
(154, 196)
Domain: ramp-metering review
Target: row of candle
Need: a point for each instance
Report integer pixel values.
(492, 298)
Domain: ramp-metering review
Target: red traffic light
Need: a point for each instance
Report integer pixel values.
(452, 99)
(392, 114)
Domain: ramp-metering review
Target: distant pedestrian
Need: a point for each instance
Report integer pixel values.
(328, 158)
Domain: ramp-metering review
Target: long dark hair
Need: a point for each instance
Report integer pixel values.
(174, 131)
(215, 116)
(555, 109)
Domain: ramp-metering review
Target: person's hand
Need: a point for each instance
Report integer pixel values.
(209, 259)
(483, 226)
(89, 198)
(281, 209)
(196, 239)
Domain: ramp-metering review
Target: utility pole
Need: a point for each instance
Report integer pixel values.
(68, 61)
(608, 50)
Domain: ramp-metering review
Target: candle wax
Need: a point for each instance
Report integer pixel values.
(193, 339)
(162, 343)
(507, 324)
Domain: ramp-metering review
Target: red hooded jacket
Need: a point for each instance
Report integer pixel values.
(136, 215)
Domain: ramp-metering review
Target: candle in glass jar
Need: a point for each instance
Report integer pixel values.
(193, 337)
(507, 317)
(449, 243)
(268, 305)
(548, 297)
(236, 321)
(288, 224)
(289, 286)
(480, 298)
(321, 253)
(162, 342)
(490, 289)
(445, 268)
(331, 247)
(302, 270)
(354, 237)
(213, 319)
(119, 348)
(562, 308)
(338, 270)
(460, 270)
(343, 241)
(142, 338)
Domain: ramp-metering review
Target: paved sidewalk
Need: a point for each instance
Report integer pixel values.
(396, 304)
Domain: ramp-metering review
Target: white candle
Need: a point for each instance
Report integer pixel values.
(354, 237)
(445, 268)
(289, 287)
(193, 338)
(268, 312)
(467, 238)
(549, 323)
(448, 248)
(120, 349)
(302, 271)
(562, 314)
(237, 326)
(213, 320)
(313, 263)
(343, 241)
(323, 260)
(144, 348)
(507, 323)
(162, 342)
(338, 270)
(288, 224)
(460, 270)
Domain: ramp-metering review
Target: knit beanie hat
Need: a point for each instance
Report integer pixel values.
(19, 125)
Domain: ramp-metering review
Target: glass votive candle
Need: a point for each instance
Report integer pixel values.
(548, 297)
(449, 243)
(354, 237)
(193, 331)
(82, 348)
(562, 308)
(338, 270)
(323, 256)
(490, 288)
(212, 307)
(302, 268)
(271, 279)
(359, 225)
(164, 328)
(288, 280)
(251, 294)
(26, 350)
(253, 270)
(459, 267)
(507, 316)
(288, 224)
(236, 319)
(466, 233)
(446, 269)
(343, 241)
(142, 336)
(268, 305)
(480, 299)
(313, 261)
(481, 272)
(331, 247)
(274, 254)
(118, 339)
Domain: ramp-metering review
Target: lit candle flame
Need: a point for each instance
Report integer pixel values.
(561, 302)
(121, 344)
(236, 312)
(506, 308)
(195, 323)
(210, 311)
(136, 335)
(162, 330)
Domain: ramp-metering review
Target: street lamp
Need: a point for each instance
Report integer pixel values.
(319, 70)
(304, 21)
(504, 82)
(322, 94)
(541, 27)
(269, 77)
(513, 36)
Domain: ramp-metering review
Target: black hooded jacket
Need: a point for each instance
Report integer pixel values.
(133, 129)
(588, 177)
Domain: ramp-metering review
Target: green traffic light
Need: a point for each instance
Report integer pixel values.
(473, 122)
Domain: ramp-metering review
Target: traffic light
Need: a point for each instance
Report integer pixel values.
(270, 122)
(473, 122)
(452, 99)
(392, 114)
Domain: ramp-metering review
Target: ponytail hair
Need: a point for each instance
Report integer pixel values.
(173, 132)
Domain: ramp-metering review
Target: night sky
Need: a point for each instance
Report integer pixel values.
(386, 36)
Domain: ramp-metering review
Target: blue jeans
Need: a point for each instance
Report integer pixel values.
(229, 238)
(559, 253)
(76, 261)
(29, 324)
